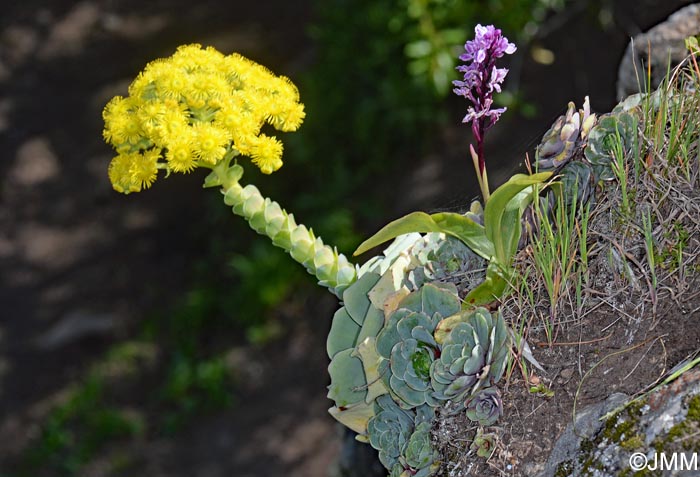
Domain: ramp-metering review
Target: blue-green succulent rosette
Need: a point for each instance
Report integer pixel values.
(485, 407)
(474, 355)
(402, 437)
(408, 346)
(389, 430)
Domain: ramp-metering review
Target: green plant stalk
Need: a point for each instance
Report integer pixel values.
(649, 242)
(266, 217)
(554, 251)
(620, 170)
(481, 178)
(546, 261)
(583, 275)
(637, 152)
(583, 239)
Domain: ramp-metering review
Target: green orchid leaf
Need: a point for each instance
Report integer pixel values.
(490, 289)
(511, 221)
(413, 222)
(466, 230)
(455, 225)
(497, 206)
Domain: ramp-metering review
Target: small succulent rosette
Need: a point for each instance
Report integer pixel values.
(485, 406)
(402, 438)
(483, 444)
(473, 356)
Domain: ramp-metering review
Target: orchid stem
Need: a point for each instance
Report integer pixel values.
(481, 177)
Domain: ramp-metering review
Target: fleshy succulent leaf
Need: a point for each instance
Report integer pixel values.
(367, 352)
(389, 336)
(343, 334)
(433, 298)
(374, 321)
(490, 289)
(355, 297)
(348, 383)
(355, 416)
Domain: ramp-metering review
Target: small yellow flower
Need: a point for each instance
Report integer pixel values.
(289, 119)
(151, 115)
(172, 83)
(210, 142)
(180, 157)
(120, 173)
(173, 127)
(144, 168)
(117, 106)
(267, 154)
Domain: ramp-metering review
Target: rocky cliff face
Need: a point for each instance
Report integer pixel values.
(623, 436)
(654, 49)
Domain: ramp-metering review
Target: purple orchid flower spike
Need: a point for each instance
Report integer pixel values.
(481, 80)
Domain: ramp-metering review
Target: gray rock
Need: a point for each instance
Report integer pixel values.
(665, 40)
(656, 427)
(586, 426)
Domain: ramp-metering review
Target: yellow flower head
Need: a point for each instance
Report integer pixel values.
(267, 154)
(195, 109)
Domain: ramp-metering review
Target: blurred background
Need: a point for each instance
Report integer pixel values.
(155, 334)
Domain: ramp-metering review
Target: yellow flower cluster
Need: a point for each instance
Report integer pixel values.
(193, 109)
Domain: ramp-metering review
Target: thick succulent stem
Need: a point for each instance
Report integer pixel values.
(266, 217)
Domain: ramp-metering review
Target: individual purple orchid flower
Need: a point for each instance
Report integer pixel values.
(481, 80)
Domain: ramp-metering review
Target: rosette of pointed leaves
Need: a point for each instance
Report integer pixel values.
(474, 354)
(561, 149)
(420, 455)
(407, 344)
(566, 137)
(407, 373)
(483, 444)
(402, 437)
(390, 430)
(485, 407)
